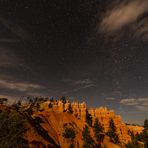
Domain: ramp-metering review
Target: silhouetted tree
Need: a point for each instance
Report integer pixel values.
(12, 129)
(70, 109)
(145, 134)
(3, 100)
(50, 105)
(63, 99)
(145, 124)
(88, 118)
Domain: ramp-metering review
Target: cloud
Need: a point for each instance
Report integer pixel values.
(140, 103)
(19, 86)
(8, 58)
(14, 28)
(83, 82)
(129, 102)
(126, 14)
(141, 30)
(110, 99)
(80, 84)
(88, 85)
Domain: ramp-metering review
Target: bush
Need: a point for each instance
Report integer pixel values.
(3, 100)
(12, 129)
(50, 105)
(69, 133)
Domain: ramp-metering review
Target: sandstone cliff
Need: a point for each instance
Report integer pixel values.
(102, 113)
(47, 121)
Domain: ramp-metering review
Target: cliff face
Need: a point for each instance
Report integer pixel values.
(102, 113)
(48, 119)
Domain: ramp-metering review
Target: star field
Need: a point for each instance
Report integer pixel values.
(89, 50)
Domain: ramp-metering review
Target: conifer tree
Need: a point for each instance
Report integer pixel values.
(98, 129)
(88, 118)
(145, 134)
(145, 124)
(112, 132)
(86, 137)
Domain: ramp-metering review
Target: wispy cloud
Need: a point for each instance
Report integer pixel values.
(83, 82)
(8, 58)
(19, 86)
(110, 99)
(15, 28)
(141, 29)
(124, 14)
(140, 103)
(80, 84)
(129, 101)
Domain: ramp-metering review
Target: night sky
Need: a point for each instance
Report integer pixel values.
(91, 50)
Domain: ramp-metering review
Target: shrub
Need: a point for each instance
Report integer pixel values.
(50, 105)
(69, 133)
(3, 100)
(12, 129)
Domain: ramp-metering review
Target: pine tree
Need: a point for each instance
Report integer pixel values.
(145, 124)
(86, 137)
(98, 129)
(3, 100)
(88, 118)
(112, 132)
(145, 134)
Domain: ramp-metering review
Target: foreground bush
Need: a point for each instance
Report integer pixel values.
(12, 129)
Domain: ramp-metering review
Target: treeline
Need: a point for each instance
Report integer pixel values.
(139, 140)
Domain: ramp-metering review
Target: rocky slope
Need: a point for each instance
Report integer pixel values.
(48, 119)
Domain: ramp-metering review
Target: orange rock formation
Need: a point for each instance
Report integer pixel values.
(102, 113)
(56, 114)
